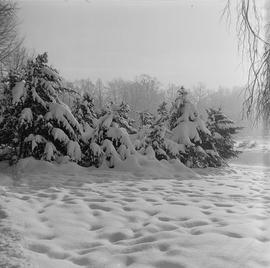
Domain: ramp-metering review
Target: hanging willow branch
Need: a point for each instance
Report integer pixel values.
(254, 45)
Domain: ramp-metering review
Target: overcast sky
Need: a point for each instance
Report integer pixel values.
(182, 41)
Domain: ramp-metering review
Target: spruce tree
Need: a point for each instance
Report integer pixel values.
(189, 129)
(109, 143)
(163, 111)
(9, 118)
(84, 111)
(153, 138)
(44, 127)
(156, 139)
(122, 118)
(146, 119)
(222, 129)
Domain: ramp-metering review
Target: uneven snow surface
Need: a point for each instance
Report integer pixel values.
(81, 218)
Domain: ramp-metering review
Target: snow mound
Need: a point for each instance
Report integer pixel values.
(140, 166)
(149, 166)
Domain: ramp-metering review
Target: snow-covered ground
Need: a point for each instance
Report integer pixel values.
(256, 151)
(73, 217)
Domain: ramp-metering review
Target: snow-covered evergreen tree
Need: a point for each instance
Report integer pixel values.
(146, 119)
(188, 129)
(109, 143)
(9, 117)
(84, 111)
(42, 126)
(222, 129)
(122, 118)
(163, 147)
(163, 111)
(156, 137)
(205, 154)
(153, 138)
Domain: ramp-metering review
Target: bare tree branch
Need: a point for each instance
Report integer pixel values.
(254, 46)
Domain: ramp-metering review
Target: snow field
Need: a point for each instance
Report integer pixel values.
(115, 219)
(11, 242)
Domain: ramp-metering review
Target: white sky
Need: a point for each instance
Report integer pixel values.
(181, 41)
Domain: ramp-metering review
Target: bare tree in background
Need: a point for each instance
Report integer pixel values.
(99, 87)
(18, 58)
(8, 34)
(253, 35)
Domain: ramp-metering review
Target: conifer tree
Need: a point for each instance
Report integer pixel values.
(156, 139)
(153, 137)
(84, 110)
(9, 118)
(122, 118)
(44, 126)
(109, 143)
(189, 129)
(146, 119)
(222, 129)
(163, 111)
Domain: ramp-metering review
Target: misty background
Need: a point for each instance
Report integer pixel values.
(140, 52)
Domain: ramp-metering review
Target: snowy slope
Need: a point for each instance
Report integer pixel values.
(70, 216)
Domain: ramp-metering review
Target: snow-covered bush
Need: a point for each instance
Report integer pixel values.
(35, 122)
(222, 129)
